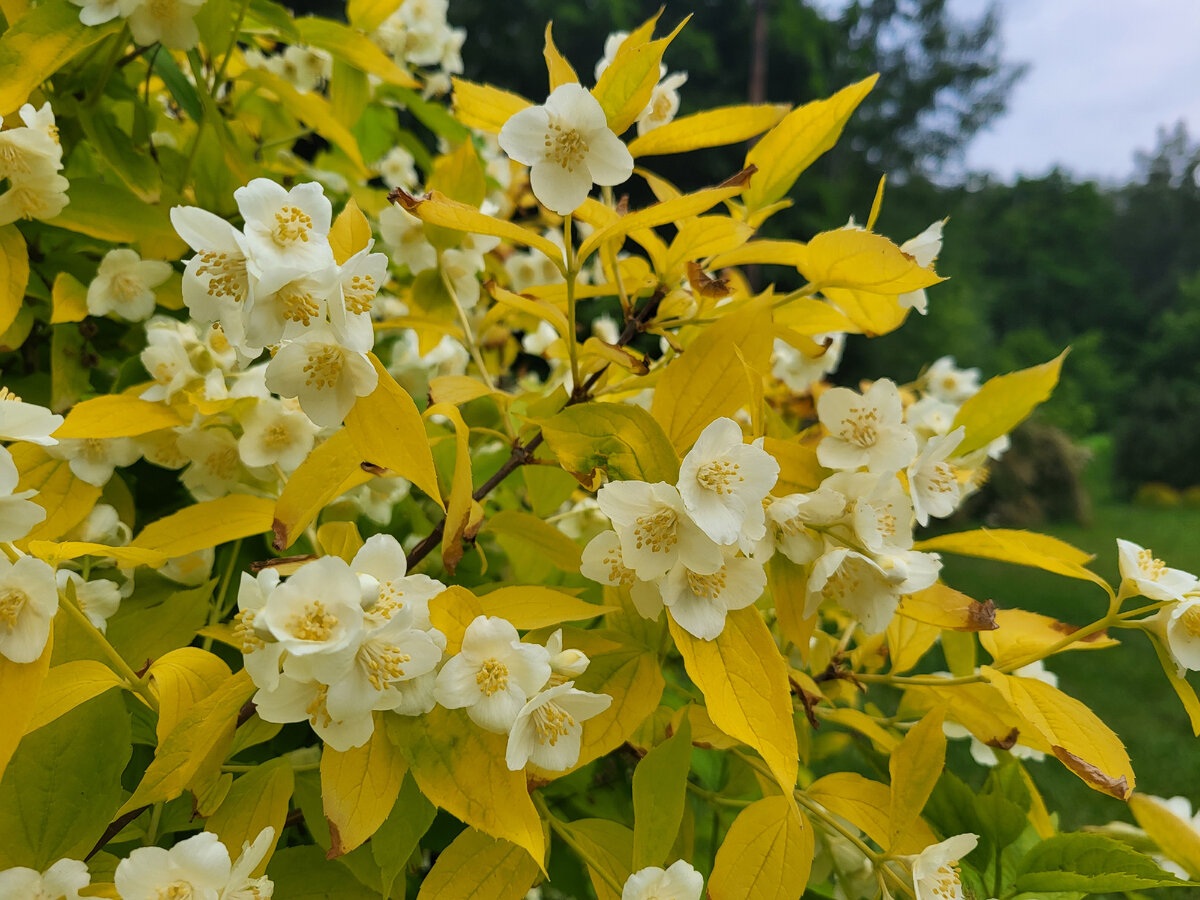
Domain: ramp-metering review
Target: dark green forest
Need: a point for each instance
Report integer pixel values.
(1113, 270)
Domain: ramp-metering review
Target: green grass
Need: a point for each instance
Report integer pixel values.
(1124, 685)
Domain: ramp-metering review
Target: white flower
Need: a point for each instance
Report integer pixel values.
(303, 699)
(404, 235)
(124, 284)
(930, 417)
(316, 611)
(18, 514)
(98, 598)
(216, 282)
(548, 729)
(30, 152)
(949, 383)
(196, 868)
(216, 468)
(540, 340)
(606, 329)
(93, 459)
(1142, 574)
(663, 105)
(723, 482)
(800, 371)
(564, 664)
(791, 516)
(291, 309)
(323, 375)
(924, 249)
(493, 675)
(241, 884)
(679, 881)
(169, 22)
(287, 232)
(699, 602)
(192, 569)
(909, 571)
(462, 269)
(655, 529)
(377, 499)
(62, 881)
(398, 169)
(394, 594)
(272, 434)
(262, 653)
(857, 584)
(21, 421)
(932, 481)
(934, 869)
(39, 196)
(882, 514)
(1183, 632)
(569, 147)
(361, 277)
(602, 561)
(865, 429)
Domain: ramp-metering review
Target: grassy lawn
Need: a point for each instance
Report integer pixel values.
(1124, 685)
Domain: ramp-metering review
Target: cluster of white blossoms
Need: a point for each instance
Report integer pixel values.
(167, 22)
(275, 284)
(305, 68)
(1177, 622)
(417, 34)
(690, 546)
(196, 868)
(664, 101)
(31, 160)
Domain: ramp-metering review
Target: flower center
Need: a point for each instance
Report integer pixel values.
(317, 710)
(298, 304)
(6, 394)
(841, 583)
(277, 436)
(244, 633)
(707, 586)
(1191, 620)
(946, 885)
(12, 601)
(127, 287)
(292, 225)
(383, 663)
(324, 368)
(718, 475)
(551, 722)
(316, 623)
(565, 146)
(942, 480)
(492, 676)
(389, 602)
(176, 890)
(226, 274)
(1151, 568)
(223, 463)
(861, 427)
(657, 531)
(359, 294)
(618, 572)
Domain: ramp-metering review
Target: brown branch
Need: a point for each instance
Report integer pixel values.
(114, 829)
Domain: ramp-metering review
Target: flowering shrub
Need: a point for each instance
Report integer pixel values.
(490, 534)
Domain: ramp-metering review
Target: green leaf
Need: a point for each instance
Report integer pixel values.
(274, 16)
(182, 90)
(609, 849)
(529, 532)
(1090, 863)
(115, 147)
(63, 785)
(625, 441)
(659, 793)
(255, 800)
(303, 873)
(432, 115)
(144, 634)
(396, 839)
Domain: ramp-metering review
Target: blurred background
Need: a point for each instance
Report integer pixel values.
(1054, 136)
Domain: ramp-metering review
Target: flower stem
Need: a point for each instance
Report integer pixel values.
(136, 684)
(472, 344)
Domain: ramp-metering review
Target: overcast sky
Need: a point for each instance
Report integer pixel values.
(1104, 74)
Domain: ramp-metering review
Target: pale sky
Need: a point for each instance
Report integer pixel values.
(1104, 74)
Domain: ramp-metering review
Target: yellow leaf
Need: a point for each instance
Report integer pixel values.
(14, 269)
(39, 44)
(607, 849)
(809, 316)
(703, 237)
(533, 306)
(1020, 634)
(207, 524)
(945, 607)
(126, 557)
(804, 134)
(368, 15)
(1082, 742)
(458, 507)
(331, 469)
(477, 867)
(66, 499)
(862, 261)
(350, 233)
(352, 47)
(915, 766)
(180, 679)
(206, 729)
(69, 298)
(116, 415)
(766, 855)
(869, 313)
(459, 389)
(709, 379)
(255, 800)
(544, 538)
(387, 429)
(359, 788)
(460, 768)
(764, 252)
(857, 720)
(788, 583)
(559, 70)
(981, 710)
(625, 442)
(1176, 837)
(485, 107)
(625, 87)
(1021, 548)
(908, 641)
(745, 685)
(659, 795)
(1183, 689)
(865, 804)
(711, 128)
(798, 466)
(459, 175)
(68, 685)
(340, 539)
(20, 688)
(681, 207)
(1004, 402)
(451, 612)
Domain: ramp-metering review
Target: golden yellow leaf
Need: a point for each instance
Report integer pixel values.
(68, 685)
(370, 14)
(485, 107)
(789, 585)
(207, 524)
(711, 128)
(551, 544)
(1021, 548)
(1183, 689)
(980, 709)
(559, 70)
(14, 271)
(458, 389)
(451, 612)
(862, 261)
(745, 685)
(478, 867)
(762, 252)
(387, 430)
(766, 855)
(1004, 402)
(66, 499)
(350, 233)
(803, 135)
(798, 466)
(915, 766)
(331, 469)
(857, 720)
(908, 641)
(809, 316)
(703, 237)
(945, 607)
(869, 313)
(20, 687)
(359, 788)
(180, 679)
(340, 539)
(352, 47)
(1082, 742)
(625, 87)
(128, 557)
(116, 415)
(540, 308)
(69, 299)
(1020, 634)
(459, 505)
(625, 442)
(1176, 837)
(255, 800)
(866, 804)
(460, 767)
